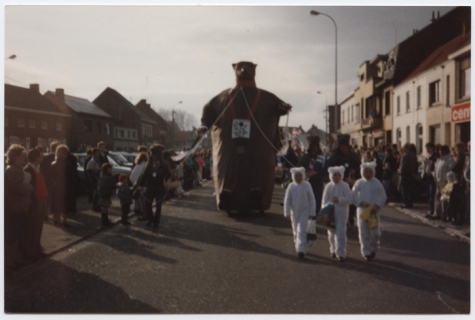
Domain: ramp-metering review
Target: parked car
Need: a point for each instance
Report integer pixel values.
(130, 156)
(121, 159)
(116, 168)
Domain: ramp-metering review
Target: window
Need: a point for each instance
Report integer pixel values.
(398, 138)
(408, 101)
(348, 115)
(343, 117)
(465, 78)
(398, 104)
(408, 134)
(88, 126)
(418, 97)
(108, 128)
(447, 133)
(434, 92)
(59, 126)
(99, 127)
(387, 102)
(434, 132)
(419, 142)
(352, 115)
(21, 123)
(44, 125)
(134, 134)
(362, 77)
(32, 123)
(148, 130)
(447, 91)
(357, 113)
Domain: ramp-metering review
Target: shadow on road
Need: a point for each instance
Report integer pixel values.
(69, 291)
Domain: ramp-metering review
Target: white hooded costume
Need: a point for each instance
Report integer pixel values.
(299, 205)
(341, 190)
(372, 192)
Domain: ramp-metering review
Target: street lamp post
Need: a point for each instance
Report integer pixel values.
(335, 108)
(326, 116)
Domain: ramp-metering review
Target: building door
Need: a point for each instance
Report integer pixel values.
(434, 134)
(462, 132)
(388, 138)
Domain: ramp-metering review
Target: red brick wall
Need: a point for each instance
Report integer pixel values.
(12, 129)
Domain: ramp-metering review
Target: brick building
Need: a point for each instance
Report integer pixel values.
(89, 123)
(31, 119)
(131, 126)
(161, 130)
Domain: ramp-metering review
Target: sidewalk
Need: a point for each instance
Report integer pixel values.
(421, 209)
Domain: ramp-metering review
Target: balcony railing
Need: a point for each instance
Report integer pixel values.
(371, 122)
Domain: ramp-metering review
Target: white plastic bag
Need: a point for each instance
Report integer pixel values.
(311, 233)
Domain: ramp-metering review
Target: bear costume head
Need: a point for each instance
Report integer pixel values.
(245, 70)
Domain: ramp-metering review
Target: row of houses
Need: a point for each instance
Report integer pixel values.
(418, 92)
(35, 119)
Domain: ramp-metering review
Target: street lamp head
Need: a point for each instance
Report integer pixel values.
(314, 13)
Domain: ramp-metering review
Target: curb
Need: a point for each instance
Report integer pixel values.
(450, 231)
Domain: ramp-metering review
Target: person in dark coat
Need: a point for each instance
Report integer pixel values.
(245, 139)
(316, 165)
(156, 172)
(48, 159)
(428, 176)
(30, 243)
(103, 156)
(343, 156)
(408, 169)
(63, 184)
(389, 169)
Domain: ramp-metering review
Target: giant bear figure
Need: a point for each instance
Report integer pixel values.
(243, 159)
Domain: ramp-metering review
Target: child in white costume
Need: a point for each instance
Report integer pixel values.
(338, 193)
(367, 192)
(299, 205)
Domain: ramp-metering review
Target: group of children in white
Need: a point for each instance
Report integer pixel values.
(368, 196)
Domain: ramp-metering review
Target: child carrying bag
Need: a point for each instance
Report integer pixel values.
(311, 233)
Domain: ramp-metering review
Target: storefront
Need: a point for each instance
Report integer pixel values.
(461, 118)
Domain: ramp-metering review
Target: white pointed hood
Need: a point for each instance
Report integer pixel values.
(301, 170)
(333, 170)
(371, 165)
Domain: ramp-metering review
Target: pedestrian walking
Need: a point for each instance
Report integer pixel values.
(343, 156)
(338, 193)
(156, 172)
(125, 196)
(31, 240)
(368, 192)
(105, 187)
(17, 200)
(299, 207)
(63, 185)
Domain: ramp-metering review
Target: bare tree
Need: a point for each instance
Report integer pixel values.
(184, 120)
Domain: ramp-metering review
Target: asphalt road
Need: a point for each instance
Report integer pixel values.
(202, 261)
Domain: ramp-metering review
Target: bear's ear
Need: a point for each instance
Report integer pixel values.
(234, 66)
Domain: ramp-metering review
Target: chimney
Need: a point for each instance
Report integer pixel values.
(60, 94)
(433, 17)
(35, 87)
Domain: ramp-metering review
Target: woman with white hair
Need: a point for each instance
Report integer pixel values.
(368, 192)
(299, 206)
(338, 193)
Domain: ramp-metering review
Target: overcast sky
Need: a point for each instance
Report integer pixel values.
(168, 54)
